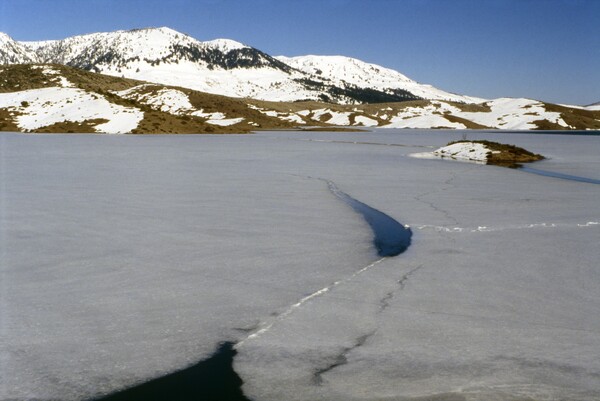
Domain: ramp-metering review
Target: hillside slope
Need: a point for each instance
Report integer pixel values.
(56, 98)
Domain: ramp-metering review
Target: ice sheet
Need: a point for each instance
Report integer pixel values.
(128, 257)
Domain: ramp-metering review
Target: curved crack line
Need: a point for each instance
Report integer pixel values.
(340, 359)
(384, 303)
(302, 301)
(448, 184)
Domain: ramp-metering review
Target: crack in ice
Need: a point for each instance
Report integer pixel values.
(483, 229)
(445, 213)
(384, 303)
(340, 359)
(304, 300)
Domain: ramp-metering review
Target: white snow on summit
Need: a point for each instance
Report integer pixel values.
(225, 45)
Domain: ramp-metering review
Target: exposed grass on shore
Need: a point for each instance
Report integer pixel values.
(333, 129)
(72, 127)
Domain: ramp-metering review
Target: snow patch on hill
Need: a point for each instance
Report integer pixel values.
(54, 75)
(168, 100)
(171, 101)
(513, 114)
(225, 122)
(37, 108)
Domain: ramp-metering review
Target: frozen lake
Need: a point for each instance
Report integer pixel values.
(126, 258)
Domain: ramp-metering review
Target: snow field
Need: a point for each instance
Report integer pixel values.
(175, 102)
(513, 114)
(506, 113)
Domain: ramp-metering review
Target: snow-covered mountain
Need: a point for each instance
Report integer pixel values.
(224, 67)
(13, 52)
(343, 70)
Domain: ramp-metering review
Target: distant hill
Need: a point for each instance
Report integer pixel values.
(593, 106)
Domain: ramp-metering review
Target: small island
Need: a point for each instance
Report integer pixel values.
(487, 152)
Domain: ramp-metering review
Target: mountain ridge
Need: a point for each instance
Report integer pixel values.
(220, 66)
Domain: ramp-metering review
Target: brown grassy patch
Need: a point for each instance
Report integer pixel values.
(546, 125)
(579, 118)
(467, 123)
(72, 127)
(471, 108)
(158, 122)
(21, 77)
(7, 122)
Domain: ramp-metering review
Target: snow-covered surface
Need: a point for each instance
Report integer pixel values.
(38, 108)
(225, 45)
(291, 117)
(331, 117)
(127, 257)
(13, 52)
(365, 121)
(168, 100)
(510, 113)
(225, 121)
(503, 113)
(172, 101)
(421, 120)
(465, 151)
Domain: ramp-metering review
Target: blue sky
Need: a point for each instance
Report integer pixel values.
(543, 49)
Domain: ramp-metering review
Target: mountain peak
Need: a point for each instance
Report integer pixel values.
(225, 45)
(4, 38)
